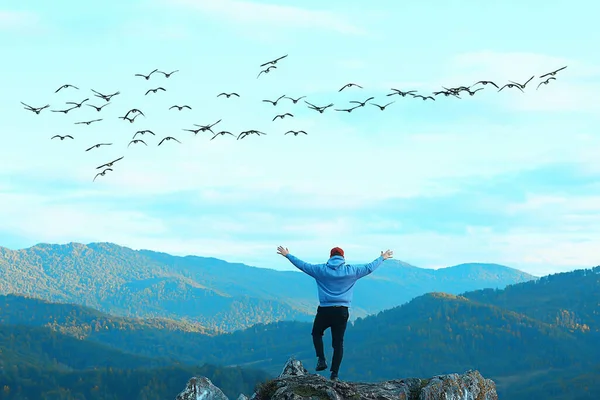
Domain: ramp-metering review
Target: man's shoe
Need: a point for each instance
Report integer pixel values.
(334, 377)
(321, 364)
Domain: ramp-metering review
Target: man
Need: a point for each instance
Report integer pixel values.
(335, 282)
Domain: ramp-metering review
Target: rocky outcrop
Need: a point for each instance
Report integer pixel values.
(296, 383)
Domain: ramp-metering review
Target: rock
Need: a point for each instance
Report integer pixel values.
(201, 388)
(296, 383)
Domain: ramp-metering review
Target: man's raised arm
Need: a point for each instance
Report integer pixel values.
(298, 263)
(365, 269)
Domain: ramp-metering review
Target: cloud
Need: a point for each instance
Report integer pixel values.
(10, 20)
(273, 14)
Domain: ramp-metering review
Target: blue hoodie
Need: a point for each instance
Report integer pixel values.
(335, 279)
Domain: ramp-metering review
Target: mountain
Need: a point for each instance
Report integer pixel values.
(211, 292)
(525, 350)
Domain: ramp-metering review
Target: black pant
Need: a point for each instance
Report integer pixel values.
(336, 318)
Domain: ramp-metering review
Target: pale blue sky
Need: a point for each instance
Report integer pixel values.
(508, 177)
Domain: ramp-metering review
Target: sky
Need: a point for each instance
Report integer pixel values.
(503, 177)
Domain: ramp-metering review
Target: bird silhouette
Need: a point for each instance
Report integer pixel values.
(65, 87)
(134, 111)
(147, 76)
(106, 97)
(522, 85)
(155, 90)
(348, 85)
(180, 107)
(36, 110)
(486, 83)
(274, 102)
(472, 92)
(102, 173)
(510, 86)
(136, 141)
(167, 75)
(273, 62)
(88, 122)
(77, 105)
(65, 110)
(317, 108)
(222, 133)
(296, 133)
(97, 108)
(401, 93)
(205, 128)
(228, 95)
(96, 146)
(545, 82)
(110, 164)
(62, 137)
(167, 139)
(250, 132)
(553, 72)
(282, 116)
(349, 110)
(143, 133)
(126, 118)
(294, 100)
(382, 107)
(194, 131)
(361, 103)
(423, 97)
(266, 71)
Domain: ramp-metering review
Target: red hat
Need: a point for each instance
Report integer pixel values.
(336, 251)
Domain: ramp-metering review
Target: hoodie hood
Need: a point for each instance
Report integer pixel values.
(335, 262)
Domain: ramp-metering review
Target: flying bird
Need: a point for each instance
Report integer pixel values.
(510, 86)
(147, 76)
(522, 85)
(274, 102)
(106, 97)
(486, 83)
(361, 103)
(296, 133)
(348, 85)
(194, 131)
(102, 173)
(167, 75)
(110, 164)
(266, 71)
(62, 137)
(472, 93)
(205, 128)
(382, 107)
(64, 111)
(65, 86)
(36, 110)
(96, 146)
(282, 116)
(401, 93)
(547, 81)
(319, 109)
(228, 94)
(143, 133)
(77, 105)
(553, 72)
(294, 100)
(155, 90)
(180, 107)
(222, 133)
(136, 141)
(250, 132)
(88, 122)
(130, 119)
(424, 97)
(349, 110)
(273, 62)
(134, 111)
(169, 138)
(97, 108)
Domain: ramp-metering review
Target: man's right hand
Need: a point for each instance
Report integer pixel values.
(387, 254)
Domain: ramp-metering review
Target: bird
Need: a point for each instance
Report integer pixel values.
(511, 85)
(361, 103)
(180, 107)
(194, 131)
(266, 71)
(222, 133)
(65, 86)
(319, 109)
(65, 110)
(143, 133)
(424, 97)
(97, 108)
(522, 85)
(250, 132)
(445, 93)
(77, 105)
(545, 82)
(155, 90)
(167, 75)
(273, 62)
(102, 173)
(486, 83)
(205, 128)
(296, 133)
(349, 110)
(228, 94)
(169, 138)
(110, 164)
(62, 137)
(134, 111)
(382, 107)
(294, 100)
(553, 72)
(36, 110)
(88, 122)
(96, 146)
(282, 116)
(136, 141)
(347, 85)
(130, 119)
(274, 102)
(472, 93)
(401, 93)
(106, 97)
(147, 76)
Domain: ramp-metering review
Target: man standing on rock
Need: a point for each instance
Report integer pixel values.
(335, 282)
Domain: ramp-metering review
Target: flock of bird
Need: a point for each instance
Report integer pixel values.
(266, 68)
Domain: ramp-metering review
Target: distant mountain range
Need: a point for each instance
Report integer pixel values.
(218, 295)
(536, 339)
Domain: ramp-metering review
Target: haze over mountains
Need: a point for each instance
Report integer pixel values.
(214, 293)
